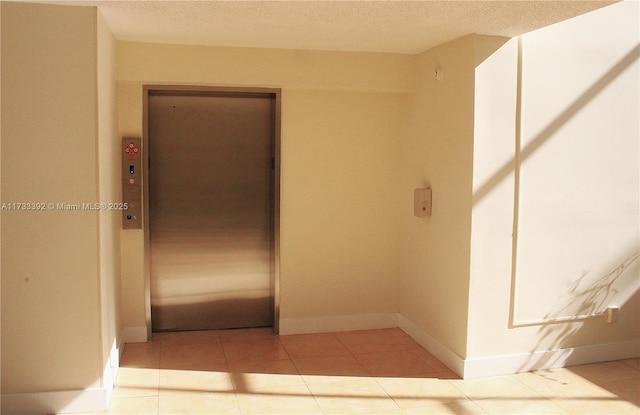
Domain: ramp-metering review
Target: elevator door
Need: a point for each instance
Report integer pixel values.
(210, 210)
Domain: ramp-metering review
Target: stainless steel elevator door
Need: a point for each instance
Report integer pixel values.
(210, 210)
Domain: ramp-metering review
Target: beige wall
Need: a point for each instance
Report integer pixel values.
(50, 271)
(149, 62)
(437, 153)
(109, 188)
(339, 203)
(132, 287)
(576, 193)
(360, 131)
(341, 128)
(60, 268)
(449, 275)
(577, 210)
(493, 187)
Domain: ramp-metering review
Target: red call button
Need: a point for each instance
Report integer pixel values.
(131, 149)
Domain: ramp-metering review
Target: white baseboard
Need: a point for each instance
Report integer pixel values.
(338, 323)
(111, 369)
(439, 350)
(548, 359)
(134, 334)
(131, 335)
(97, 399)
(67, 401)
(519, 362)
(60, 402)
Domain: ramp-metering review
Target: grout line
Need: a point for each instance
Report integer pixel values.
(531, 391)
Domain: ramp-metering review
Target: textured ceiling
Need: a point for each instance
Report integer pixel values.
(373, 26)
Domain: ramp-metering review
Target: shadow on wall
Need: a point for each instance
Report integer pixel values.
(582, 303)
(586, 296)
(594, 298)
(576, 293)
(508, 168)
(590, 299)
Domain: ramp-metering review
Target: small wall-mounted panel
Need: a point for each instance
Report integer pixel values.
(132, 182)
(422, 203)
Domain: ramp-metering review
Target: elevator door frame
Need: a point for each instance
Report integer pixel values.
(271, 93)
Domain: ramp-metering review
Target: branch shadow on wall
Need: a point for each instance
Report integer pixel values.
(591, 298)
(585, 299)
(586, 294)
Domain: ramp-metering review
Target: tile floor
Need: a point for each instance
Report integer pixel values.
(252, 371)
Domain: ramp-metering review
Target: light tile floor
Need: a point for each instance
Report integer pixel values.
(252, 371)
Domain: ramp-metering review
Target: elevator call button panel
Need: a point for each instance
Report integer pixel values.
(132, 182)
